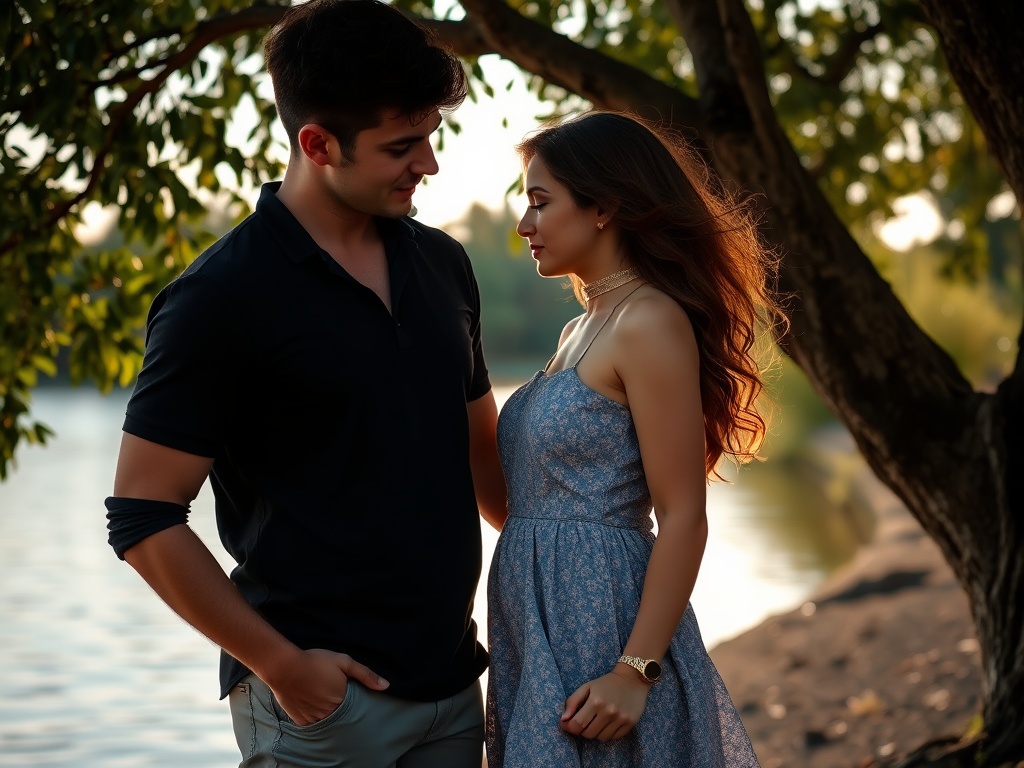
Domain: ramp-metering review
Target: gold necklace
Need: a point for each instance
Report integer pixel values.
(609, 283)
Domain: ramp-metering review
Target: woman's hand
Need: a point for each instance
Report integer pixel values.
(606, 708)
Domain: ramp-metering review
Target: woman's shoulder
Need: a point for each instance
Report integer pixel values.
(650, 310)
(652, 328)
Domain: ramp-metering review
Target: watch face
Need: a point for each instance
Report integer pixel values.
(652, 670)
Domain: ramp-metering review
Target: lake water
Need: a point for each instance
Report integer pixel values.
(95, 672)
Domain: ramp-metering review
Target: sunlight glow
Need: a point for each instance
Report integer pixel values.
(917, 221)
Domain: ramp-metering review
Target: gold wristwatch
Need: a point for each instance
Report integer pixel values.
(649, 669)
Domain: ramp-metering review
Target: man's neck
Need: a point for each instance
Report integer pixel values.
(332, 226)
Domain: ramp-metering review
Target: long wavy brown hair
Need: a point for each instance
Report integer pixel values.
(686, 235)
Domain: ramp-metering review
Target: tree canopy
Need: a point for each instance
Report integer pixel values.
(828, 111)
(128, 104)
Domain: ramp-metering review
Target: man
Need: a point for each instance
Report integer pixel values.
(322, 364)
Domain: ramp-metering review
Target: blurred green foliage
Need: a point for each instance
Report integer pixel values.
(523, 313)
(127, 104)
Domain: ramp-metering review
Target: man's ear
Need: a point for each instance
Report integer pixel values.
(317, 143)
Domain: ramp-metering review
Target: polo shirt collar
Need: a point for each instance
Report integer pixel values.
(295, 241)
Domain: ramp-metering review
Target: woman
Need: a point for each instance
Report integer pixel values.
(596, 656)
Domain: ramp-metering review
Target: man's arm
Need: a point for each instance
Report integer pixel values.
(309, 685)
(488, 479)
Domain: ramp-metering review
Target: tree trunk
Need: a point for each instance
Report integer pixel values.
(951, 454)
(982, 44)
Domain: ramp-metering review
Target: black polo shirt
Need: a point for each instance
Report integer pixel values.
(340, 438)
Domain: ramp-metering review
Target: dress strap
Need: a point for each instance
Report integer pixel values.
(613, 310)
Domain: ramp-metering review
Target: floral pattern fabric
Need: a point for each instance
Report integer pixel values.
(564, 588)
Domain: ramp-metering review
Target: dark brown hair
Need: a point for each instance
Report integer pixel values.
(685, 235)
(343, 63)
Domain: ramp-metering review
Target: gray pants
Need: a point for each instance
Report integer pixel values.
(368, 730)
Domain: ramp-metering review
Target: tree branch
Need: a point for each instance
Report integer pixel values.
(204, 33)
(988, 71)
(170, 64)
(839, 64)
(601, 80)
(463, 37)
(722, 103)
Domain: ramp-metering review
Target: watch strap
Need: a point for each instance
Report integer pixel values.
(640, 665)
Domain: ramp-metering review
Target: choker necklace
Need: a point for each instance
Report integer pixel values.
(609, 283)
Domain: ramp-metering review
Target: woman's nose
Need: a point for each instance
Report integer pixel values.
(525, 227)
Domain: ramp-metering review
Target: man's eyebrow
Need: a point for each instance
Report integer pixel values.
(411, 138)
(402, 140)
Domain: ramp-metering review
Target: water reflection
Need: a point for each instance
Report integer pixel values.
(96, 671)
(819, 522)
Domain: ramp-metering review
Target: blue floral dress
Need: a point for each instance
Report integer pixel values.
(564, 589)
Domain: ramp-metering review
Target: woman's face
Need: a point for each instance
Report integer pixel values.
(562, 235)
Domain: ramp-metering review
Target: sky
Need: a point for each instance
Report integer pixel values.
(479, 164)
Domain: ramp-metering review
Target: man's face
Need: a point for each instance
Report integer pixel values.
(388, 161)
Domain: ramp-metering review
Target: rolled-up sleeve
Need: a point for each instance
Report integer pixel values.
(129, 521)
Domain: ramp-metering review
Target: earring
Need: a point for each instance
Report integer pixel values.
(600, 225)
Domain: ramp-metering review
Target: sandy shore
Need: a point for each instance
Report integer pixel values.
(881, 660)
